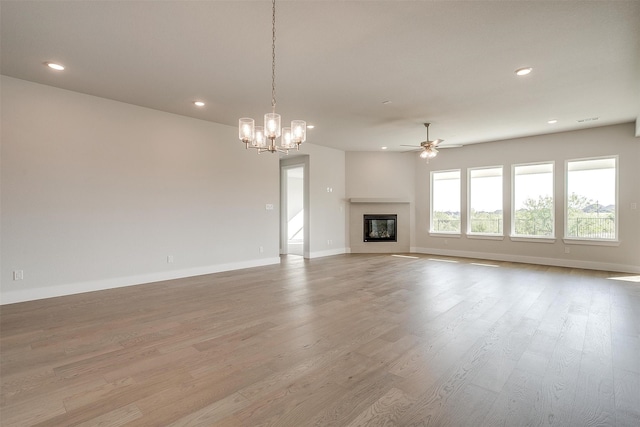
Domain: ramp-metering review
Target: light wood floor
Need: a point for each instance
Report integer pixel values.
(349, 340)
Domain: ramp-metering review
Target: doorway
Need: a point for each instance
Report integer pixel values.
(294, 216)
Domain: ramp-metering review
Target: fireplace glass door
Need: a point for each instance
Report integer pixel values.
(380, 228)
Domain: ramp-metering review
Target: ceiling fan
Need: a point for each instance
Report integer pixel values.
(428, 148)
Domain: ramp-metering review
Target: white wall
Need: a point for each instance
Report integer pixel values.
(97, 193)
(559, 147)
(382, 175)
(326, 170)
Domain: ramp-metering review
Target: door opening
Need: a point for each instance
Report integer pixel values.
(293, 212)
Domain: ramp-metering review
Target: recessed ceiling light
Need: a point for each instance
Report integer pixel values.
(523, 71)
(552, 121)
(310, 126)
(384, 148)
(198, 103)
(54, 66)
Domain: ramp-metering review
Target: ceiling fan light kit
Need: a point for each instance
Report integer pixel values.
(428, 148)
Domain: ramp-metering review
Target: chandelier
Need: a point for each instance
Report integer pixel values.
(264, 138)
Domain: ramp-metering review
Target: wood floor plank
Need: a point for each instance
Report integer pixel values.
(431, 405)
(357, 339)
(521, 392)
(385, 411)
(359, 396)
(116, 418)
(213, 413)
(627, 397)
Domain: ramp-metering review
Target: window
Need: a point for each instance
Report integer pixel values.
(532, 202)
(591, 203)
(485, 201)
(445, 202)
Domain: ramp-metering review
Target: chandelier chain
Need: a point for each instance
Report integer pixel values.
(273, 56)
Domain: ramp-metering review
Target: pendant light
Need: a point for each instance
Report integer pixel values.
(265, 138)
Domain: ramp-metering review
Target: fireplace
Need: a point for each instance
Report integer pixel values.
(380, 228)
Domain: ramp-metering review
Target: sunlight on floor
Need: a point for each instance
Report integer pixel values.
(443, 260)
(406, 256)
(627, 278)
(484, 265)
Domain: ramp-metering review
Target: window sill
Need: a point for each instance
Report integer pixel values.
(533, 239)
(454, 234)
(590, 242)
(485, 236)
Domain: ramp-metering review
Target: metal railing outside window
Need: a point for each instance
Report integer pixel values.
(592, 228)
(486, 225)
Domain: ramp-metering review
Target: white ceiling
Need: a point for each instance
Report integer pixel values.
(450, 63)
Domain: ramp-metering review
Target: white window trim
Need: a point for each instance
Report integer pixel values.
(526, 237)
(590, 242)
(453, 234)
(486, 236)
(594, 241)
(533, 239)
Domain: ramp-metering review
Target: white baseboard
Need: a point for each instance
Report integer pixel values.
(23, 295)
(570, 263)
(320, 254)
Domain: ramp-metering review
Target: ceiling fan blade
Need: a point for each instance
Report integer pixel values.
(404, 145)
(450, 146)
(436, 142)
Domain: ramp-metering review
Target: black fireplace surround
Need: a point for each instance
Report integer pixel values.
(380, 228)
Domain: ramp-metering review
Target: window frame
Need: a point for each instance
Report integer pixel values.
(524, 237)
(433, 232)
(480, 235)
(592, 240)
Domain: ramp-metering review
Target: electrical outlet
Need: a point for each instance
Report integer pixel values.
(567, 250)
(18, 275)
(634, 206)
(169, 259)
(269, 206)
(261, 249)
